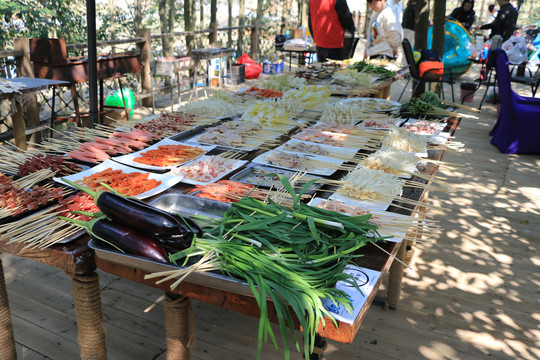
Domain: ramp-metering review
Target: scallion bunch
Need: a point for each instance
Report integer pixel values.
(294, 257)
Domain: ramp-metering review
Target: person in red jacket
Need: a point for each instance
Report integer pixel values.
(328, 22)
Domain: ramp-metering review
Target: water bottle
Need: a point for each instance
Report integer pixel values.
(485, 52)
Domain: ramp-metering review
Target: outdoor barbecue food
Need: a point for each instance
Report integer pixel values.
(294, 256)
(171, 230)
(304, 147)
(401, 139)
(265, 93)
(56, 163)
(227, 191)
(422, 127)
(131, 184)
(214, 106)
(167, 155)
(352, 78)
(118, 142)
(367, 184)
(343, 113)
(289, 160)
(310, 96)
(373, 69)
(17, 200)
(284, 83)
(208, 169)
(392, 161)
(124, 238)
(266, 114)
(378, 124)
(168, 124)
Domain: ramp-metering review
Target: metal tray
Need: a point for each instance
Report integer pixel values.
(188, 205)
(251, 170)
(212, 280)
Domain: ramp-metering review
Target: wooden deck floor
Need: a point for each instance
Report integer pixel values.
(473, 292)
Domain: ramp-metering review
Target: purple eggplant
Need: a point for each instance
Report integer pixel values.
(124, 238)
(174, 230)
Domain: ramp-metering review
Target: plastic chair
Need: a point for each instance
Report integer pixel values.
(517, 129)
(414, 74)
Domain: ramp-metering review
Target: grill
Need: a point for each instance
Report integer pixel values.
(50, 60)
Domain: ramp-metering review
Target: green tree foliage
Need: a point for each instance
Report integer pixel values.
(42, 18)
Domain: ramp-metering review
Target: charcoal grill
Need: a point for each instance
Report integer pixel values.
(50, 60)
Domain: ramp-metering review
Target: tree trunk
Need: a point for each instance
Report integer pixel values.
(420, 39)
(229, 23)
(188, 22)
(172, 12)
(439, 10)
(213, 11)
(201, 14)
(260, 4)
(304, 20)
(112, 25)
(241, 22)
(138, 15)
(164, 22)
(193, 14)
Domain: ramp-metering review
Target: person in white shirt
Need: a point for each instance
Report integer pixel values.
(385, 38)
(386, 32)
(397, 8)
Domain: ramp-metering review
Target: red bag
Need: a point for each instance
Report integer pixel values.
(253, 70)
(431, 70)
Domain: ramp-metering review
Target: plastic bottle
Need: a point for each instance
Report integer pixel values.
(485, 52)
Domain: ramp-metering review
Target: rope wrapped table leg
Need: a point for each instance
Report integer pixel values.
(87, 298)
(7, 341)
(395, 279)
(179, 326)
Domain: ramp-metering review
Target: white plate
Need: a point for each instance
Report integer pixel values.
(370, 204)
(344, 153)
(440, 127)
(442, 138)
(128, 159)
(195, 141)
(394, 104)
(167, 180)
(262, 159)
(236, 165)
(305, 132)
(397, 122)
(396, 237)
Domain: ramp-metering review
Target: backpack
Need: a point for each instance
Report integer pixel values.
(430, 66)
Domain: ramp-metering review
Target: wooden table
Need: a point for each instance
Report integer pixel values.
(19, 130)
(301, 54)
(77, 260)
(374, 258)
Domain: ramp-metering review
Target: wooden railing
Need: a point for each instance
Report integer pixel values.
(143, 42)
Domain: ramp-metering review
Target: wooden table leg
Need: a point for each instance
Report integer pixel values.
(19, 127)
(179, 326)
(87, 298)
(396, 278)
(7, 341)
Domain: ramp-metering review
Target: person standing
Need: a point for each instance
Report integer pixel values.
(465, 14)
(505, 22)
(328, 21)
(408, 21)
(386, 32)
(385, 38)
(397, 8)
(492, 13)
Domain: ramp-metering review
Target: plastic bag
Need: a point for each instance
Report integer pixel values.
(516, 49)
(252, 69)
